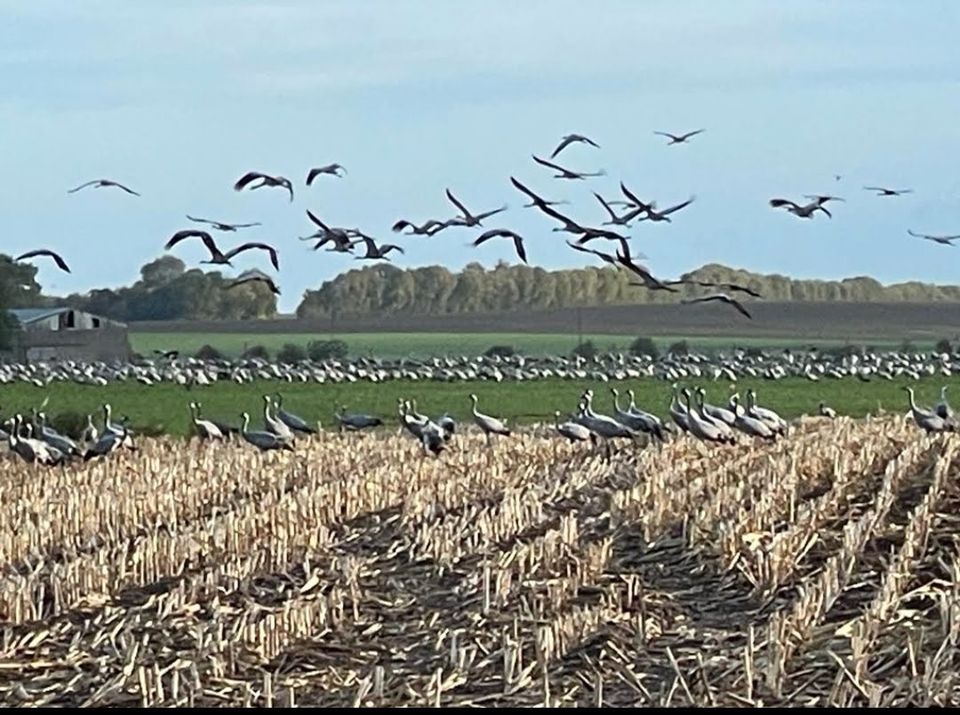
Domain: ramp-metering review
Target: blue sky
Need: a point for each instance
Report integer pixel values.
(179, 98)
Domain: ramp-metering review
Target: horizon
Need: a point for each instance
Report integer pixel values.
(178, 101)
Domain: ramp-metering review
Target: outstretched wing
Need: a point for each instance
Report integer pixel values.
(83, 186)
(544, 162)
(192, 233)
(45, 252)
(246, 179)
(461, 207)
(262, 246)
(563, 144)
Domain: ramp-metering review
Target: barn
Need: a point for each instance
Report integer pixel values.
(66, 333)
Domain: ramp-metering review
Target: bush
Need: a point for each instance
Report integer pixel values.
(320, 350)
(291, 353)
(586, 350)
(944, 346)
(644, 346)
(503, 351)
(208, 352)
(257, 351)
(679, 348)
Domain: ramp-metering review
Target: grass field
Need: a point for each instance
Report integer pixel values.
(164, 407)
(421, 345)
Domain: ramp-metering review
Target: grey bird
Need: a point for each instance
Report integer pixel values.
(504, 233)
(567, 173)
(216, 255)
(468, 219)
(103, 183)
(61, 264)
(720, 297)
(265, 180)
(220, 226)
(330, 169)
(570, 139)
(681, 139)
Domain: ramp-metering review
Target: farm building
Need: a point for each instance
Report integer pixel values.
(67, 334)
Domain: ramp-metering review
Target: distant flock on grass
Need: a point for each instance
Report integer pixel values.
(169, 368)
(34, 441)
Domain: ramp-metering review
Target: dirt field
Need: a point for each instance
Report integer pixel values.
(836, 321)
(823, 569)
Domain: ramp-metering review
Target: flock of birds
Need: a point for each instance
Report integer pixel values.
(36, 442)
(190, 372)
(633, 210)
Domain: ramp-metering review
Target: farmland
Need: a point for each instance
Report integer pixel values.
(821, 569)
(163, 407)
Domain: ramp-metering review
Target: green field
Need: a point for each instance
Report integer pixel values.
(164, 407)
(421, 345)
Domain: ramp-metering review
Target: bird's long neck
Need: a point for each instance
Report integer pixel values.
(913, 405)
(246, 423)
(474, 401)
(616, 400)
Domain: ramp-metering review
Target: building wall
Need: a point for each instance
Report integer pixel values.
(109, 343)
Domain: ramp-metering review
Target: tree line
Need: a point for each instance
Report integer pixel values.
(167, 290)
(436, 290)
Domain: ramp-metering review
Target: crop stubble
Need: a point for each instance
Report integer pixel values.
(820, 569)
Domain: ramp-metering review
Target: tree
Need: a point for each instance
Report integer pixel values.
(586, 349)
(644, 346)
(258, 352)
(944, 346)
(679, 348)
(502, 351)
(291, 353)
(208, 352)
(320, 350)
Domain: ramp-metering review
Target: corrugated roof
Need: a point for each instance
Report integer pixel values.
(30, 315)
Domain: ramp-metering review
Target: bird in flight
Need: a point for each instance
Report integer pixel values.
(254, 275)
(822, 198)
(103, 183)
(537, 201)
(805, 211)
(216, 255)
(724, 286)
(567, 173)
(331, 169)
(654, 215)
(467, 218)
(570, 139)
(605, 257)
(504, 233)
(721, 297)
(945, 240)
(881, 191)
(265, 180)
(62, 264)
(626, 260)
(374, 252)
(682, 139)
(222, 226)
(616, 220)
(430, 227)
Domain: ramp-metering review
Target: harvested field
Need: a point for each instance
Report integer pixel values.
(822, 569)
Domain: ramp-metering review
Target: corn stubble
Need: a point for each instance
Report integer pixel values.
(822, 569)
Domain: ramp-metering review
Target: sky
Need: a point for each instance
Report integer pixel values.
(179, 98)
